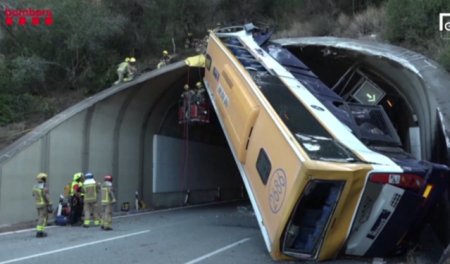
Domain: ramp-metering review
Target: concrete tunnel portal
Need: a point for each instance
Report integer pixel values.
(131, 130)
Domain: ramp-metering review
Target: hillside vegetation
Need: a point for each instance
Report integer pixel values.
(43, 69)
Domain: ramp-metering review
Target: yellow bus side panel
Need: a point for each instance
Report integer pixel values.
(277, 197)
(237, 106)
(241, 111)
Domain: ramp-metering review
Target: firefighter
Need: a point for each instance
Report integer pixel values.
(43, 204)
(126, 70)
(108, 199)
(189, 41)
(199, 93)
(164, 60)
(76, 206)
(131, 70)
(91, 189)
(202, 110)
(186, 99)
(122, 69)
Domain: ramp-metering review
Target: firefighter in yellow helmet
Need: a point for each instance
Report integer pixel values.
(43, 204)
(108, 199)
(126, 70)
(131, 70)
(122, 69)
(164, 60)
(76, 201)
(165, 54)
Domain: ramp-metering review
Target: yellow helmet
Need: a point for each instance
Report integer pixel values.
(132, 59)
(199, 85)
(165, 52)
(189, 34)
(127, 59)
(41, 176)
(186, 87)
(77, 176)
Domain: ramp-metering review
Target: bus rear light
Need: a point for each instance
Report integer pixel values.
(403, 180)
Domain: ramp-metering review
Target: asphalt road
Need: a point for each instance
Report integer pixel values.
(225, 233)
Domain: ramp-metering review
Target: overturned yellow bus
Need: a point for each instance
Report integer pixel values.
(316, 185)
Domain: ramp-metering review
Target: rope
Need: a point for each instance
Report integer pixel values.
(184, 179)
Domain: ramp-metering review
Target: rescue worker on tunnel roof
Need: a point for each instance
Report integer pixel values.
(164, 60)
(126, 70)
(131, 70)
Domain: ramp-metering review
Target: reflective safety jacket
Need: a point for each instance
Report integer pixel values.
(107, 193)
(75, 187)
(40, 194)
(90, 190)
(123, 66)
(81, 186)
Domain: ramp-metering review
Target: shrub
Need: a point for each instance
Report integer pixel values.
(371, 21)
(443, 55)
(319, 25)
(28, 74)
(409, 20)
(19, 107)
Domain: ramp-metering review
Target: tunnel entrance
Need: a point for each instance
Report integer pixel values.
(192, 162)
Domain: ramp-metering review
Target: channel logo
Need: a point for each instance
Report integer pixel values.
(30, 16)
(444, 25)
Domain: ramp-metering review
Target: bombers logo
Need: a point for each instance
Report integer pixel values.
(24, 16)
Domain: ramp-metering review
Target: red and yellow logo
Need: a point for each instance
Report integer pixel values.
(30, 16)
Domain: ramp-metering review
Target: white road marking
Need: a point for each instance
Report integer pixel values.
(215, 252)
(24, 230)
(130, 215)
(73, 247)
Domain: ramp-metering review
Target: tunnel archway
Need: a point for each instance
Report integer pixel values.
(130, 131)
